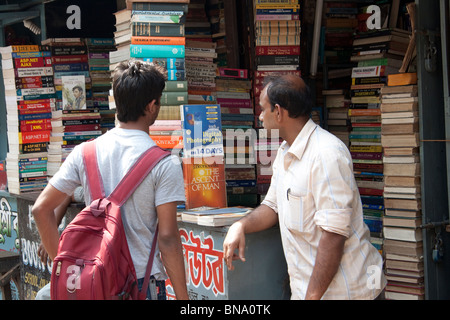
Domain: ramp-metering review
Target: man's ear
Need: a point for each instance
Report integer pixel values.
(153, 107)
(279, 112)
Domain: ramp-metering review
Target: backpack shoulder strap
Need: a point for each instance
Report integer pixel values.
(136, 174)
(93, 177)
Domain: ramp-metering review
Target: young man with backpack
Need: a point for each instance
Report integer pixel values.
(137, 90)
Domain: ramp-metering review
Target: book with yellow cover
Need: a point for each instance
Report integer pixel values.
(204, 182)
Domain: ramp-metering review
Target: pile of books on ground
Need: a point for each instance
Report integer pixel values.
(400, 140)
(30, 98)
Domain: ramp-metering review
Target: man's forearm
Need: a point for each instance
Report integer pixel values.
(261, 218)
(172, 257)
(329, 254)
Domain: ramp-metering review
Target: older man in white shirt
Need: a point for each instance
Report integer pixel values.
(314, 197)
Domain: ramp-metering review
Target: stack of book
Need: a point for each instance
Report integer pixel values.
(158, 36)
(277, 43)
(69, 129)
(339, 27)
(365, 144)
(167, 134)
(70, 65)
(215, 10)
(214, 217)
(233, 94)
(122, 38)
(266, 150)
(30, 98)
(200, 55)
(402, 194)
(203, 156)
(388, 43)
(98, 59)
(337, 104)
(277, 52)
(337, 37)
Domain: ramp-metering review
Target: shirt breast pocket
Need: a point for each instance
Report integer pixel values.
(295, 212)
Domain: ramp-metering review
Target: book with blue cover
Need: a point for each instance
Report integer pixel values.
(156, 51)
(202, 130)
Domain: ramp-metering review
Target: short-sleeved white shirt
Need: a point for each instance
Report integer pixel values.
(117, 151)
(313, 189)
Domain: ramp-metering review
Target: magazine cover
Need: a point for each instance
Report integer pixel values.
(202, 131)
(73, 92)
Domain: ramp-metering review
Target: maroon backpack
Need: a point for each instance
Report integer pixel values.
(93, 260)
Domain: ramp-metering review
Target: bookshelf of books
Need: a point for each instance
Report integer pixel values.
(337, 37)
(156, 33)
(74, 119)
(277, 30)
(381, 131)
(30, 98)
(403, 246)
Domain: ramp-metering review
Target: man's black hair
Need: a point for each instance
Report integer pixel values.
(290, 94)
(135, 85)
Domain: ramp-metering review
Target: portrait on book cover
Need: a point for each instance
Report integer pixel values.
(73, 92)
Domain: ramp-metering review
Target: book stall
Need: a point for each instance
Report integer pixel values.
(361, 60)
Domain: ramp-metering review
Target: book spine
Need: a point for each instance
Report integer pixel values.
(33, 137)
(173, 98)
(68, 50)
(36, 110)
(275, 31)
(33, 72)
(277, 60)
(81, 127)
(167, 142)
(168, 63)
(70, 59)
(157, 51)
(157, 29)
(367, 155)
(176, 85)
(233, 73)
(260, 17)
(371, 71)
(180, 41)
(176, 75)
(28, 48)
(156, 18)
(35, 91)
(368, 80)
(37, 62)
(69, 67)
(260, 75)
(237, 103)
(34, 82)
(45, 126)
(277, 40)
(277, 50)
(146, 6)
